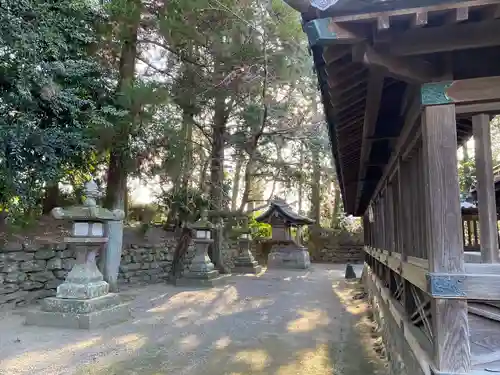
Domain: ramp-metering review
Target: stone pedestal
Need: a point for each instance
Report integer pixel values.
(245, 262)
(288, 256)
(202, 271)
(82, 301)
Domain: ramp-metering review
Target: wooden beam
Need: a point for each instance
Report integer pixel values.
(450, 323)
(489, 107)
(488, 230)
(458, 15)
(406, 69)
(374, 94)
(383, 22)
(410, 11)
(463, 91)
(440, 39)
(334, 53)
(324, 31)
(419, 19)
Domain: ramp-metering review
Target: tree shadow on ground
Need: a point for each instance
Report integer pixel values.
(281, 323)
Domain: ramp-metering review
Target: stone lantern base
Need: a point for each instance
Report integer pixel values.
(202, 279)
(82, 301)
(79, 313)
(245, 263)
(288, 256)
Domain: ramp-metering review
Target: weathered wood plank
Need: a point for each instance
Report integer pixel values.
(334, 53)
(489, 107)
(406, 69)
(450, 325)
(462, 91)
(458, 15)
(450, 37)
(410, 11)
(419, 19)
(488, 230)
(375, 87)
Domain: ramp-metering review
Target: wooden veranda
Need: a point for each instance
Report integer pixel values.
(403, 84)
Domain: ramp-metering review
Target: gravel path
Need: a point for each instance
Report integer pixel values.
(281, 323)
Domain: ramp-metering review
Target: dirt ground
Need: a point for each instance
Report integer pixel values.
(279, 323)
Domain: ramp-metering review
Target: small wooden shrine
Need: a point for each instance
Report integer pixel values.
(285, 252)
(282, 219)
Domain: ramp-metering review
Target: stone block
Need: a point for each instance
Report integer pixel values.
(61, 274)
(126, 259)
(30, 247)
(54, 264)
(2, 278)
(13, 246)
(42, 276)
(67, 254)
(15, 277)
(130, 267)
(134, 279)
(19, 256)
(82, 291)
(53, 284)
(209, 281)
(31, 285)
(8, 288)
(294, 259)
(33, 265)
(80, 306)
(68, 263)
(145, 266)
(97, 319)
(10, 267)
(45, 254)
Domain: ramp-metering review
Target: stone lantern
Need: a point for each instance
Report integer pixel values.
(245, 262)
(83, 300)
(202, 271)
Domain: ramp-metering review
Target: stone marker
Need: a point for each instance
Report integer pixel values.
(245, 262)
(202, 271)
(82, 300)
(349, 272)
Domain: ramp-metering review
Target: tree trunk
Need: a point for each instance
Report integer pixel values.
(120, 155)
(51, 197)
(301, 180)
(336, 206)
(236, 184)
(217, 173)
(315, 187)
(187, 163)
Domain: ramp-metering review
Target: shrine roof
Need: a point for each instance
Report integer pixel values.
(283, 209)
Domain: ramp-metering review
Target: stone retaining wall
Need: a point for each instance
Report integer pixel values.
(339, 254)
(330, 246)
(32, 272)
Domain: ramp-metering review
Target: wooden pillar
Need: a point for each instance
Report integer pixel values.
(488, 232)
(446, 255)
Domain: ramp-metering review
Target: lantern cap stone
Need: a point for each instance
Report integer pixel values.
(203, 223)
(89, 210)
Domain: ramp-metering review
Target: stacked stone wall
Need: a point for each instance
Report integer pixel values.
(327, 246)
(32, 272)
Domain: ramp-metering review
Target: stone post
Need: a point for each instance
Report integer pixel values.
(245, 262)
(83, 301)
(202, 271)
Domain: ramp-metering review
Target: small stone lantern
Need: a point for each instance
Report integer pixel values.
(245, 262)
(83, 301)
(202, 271)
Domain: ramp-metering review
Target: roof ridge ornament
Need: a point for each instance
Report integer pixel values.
(323, 4)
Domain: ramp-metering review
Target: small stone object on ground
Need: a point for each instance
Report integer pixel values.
(349, 272)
